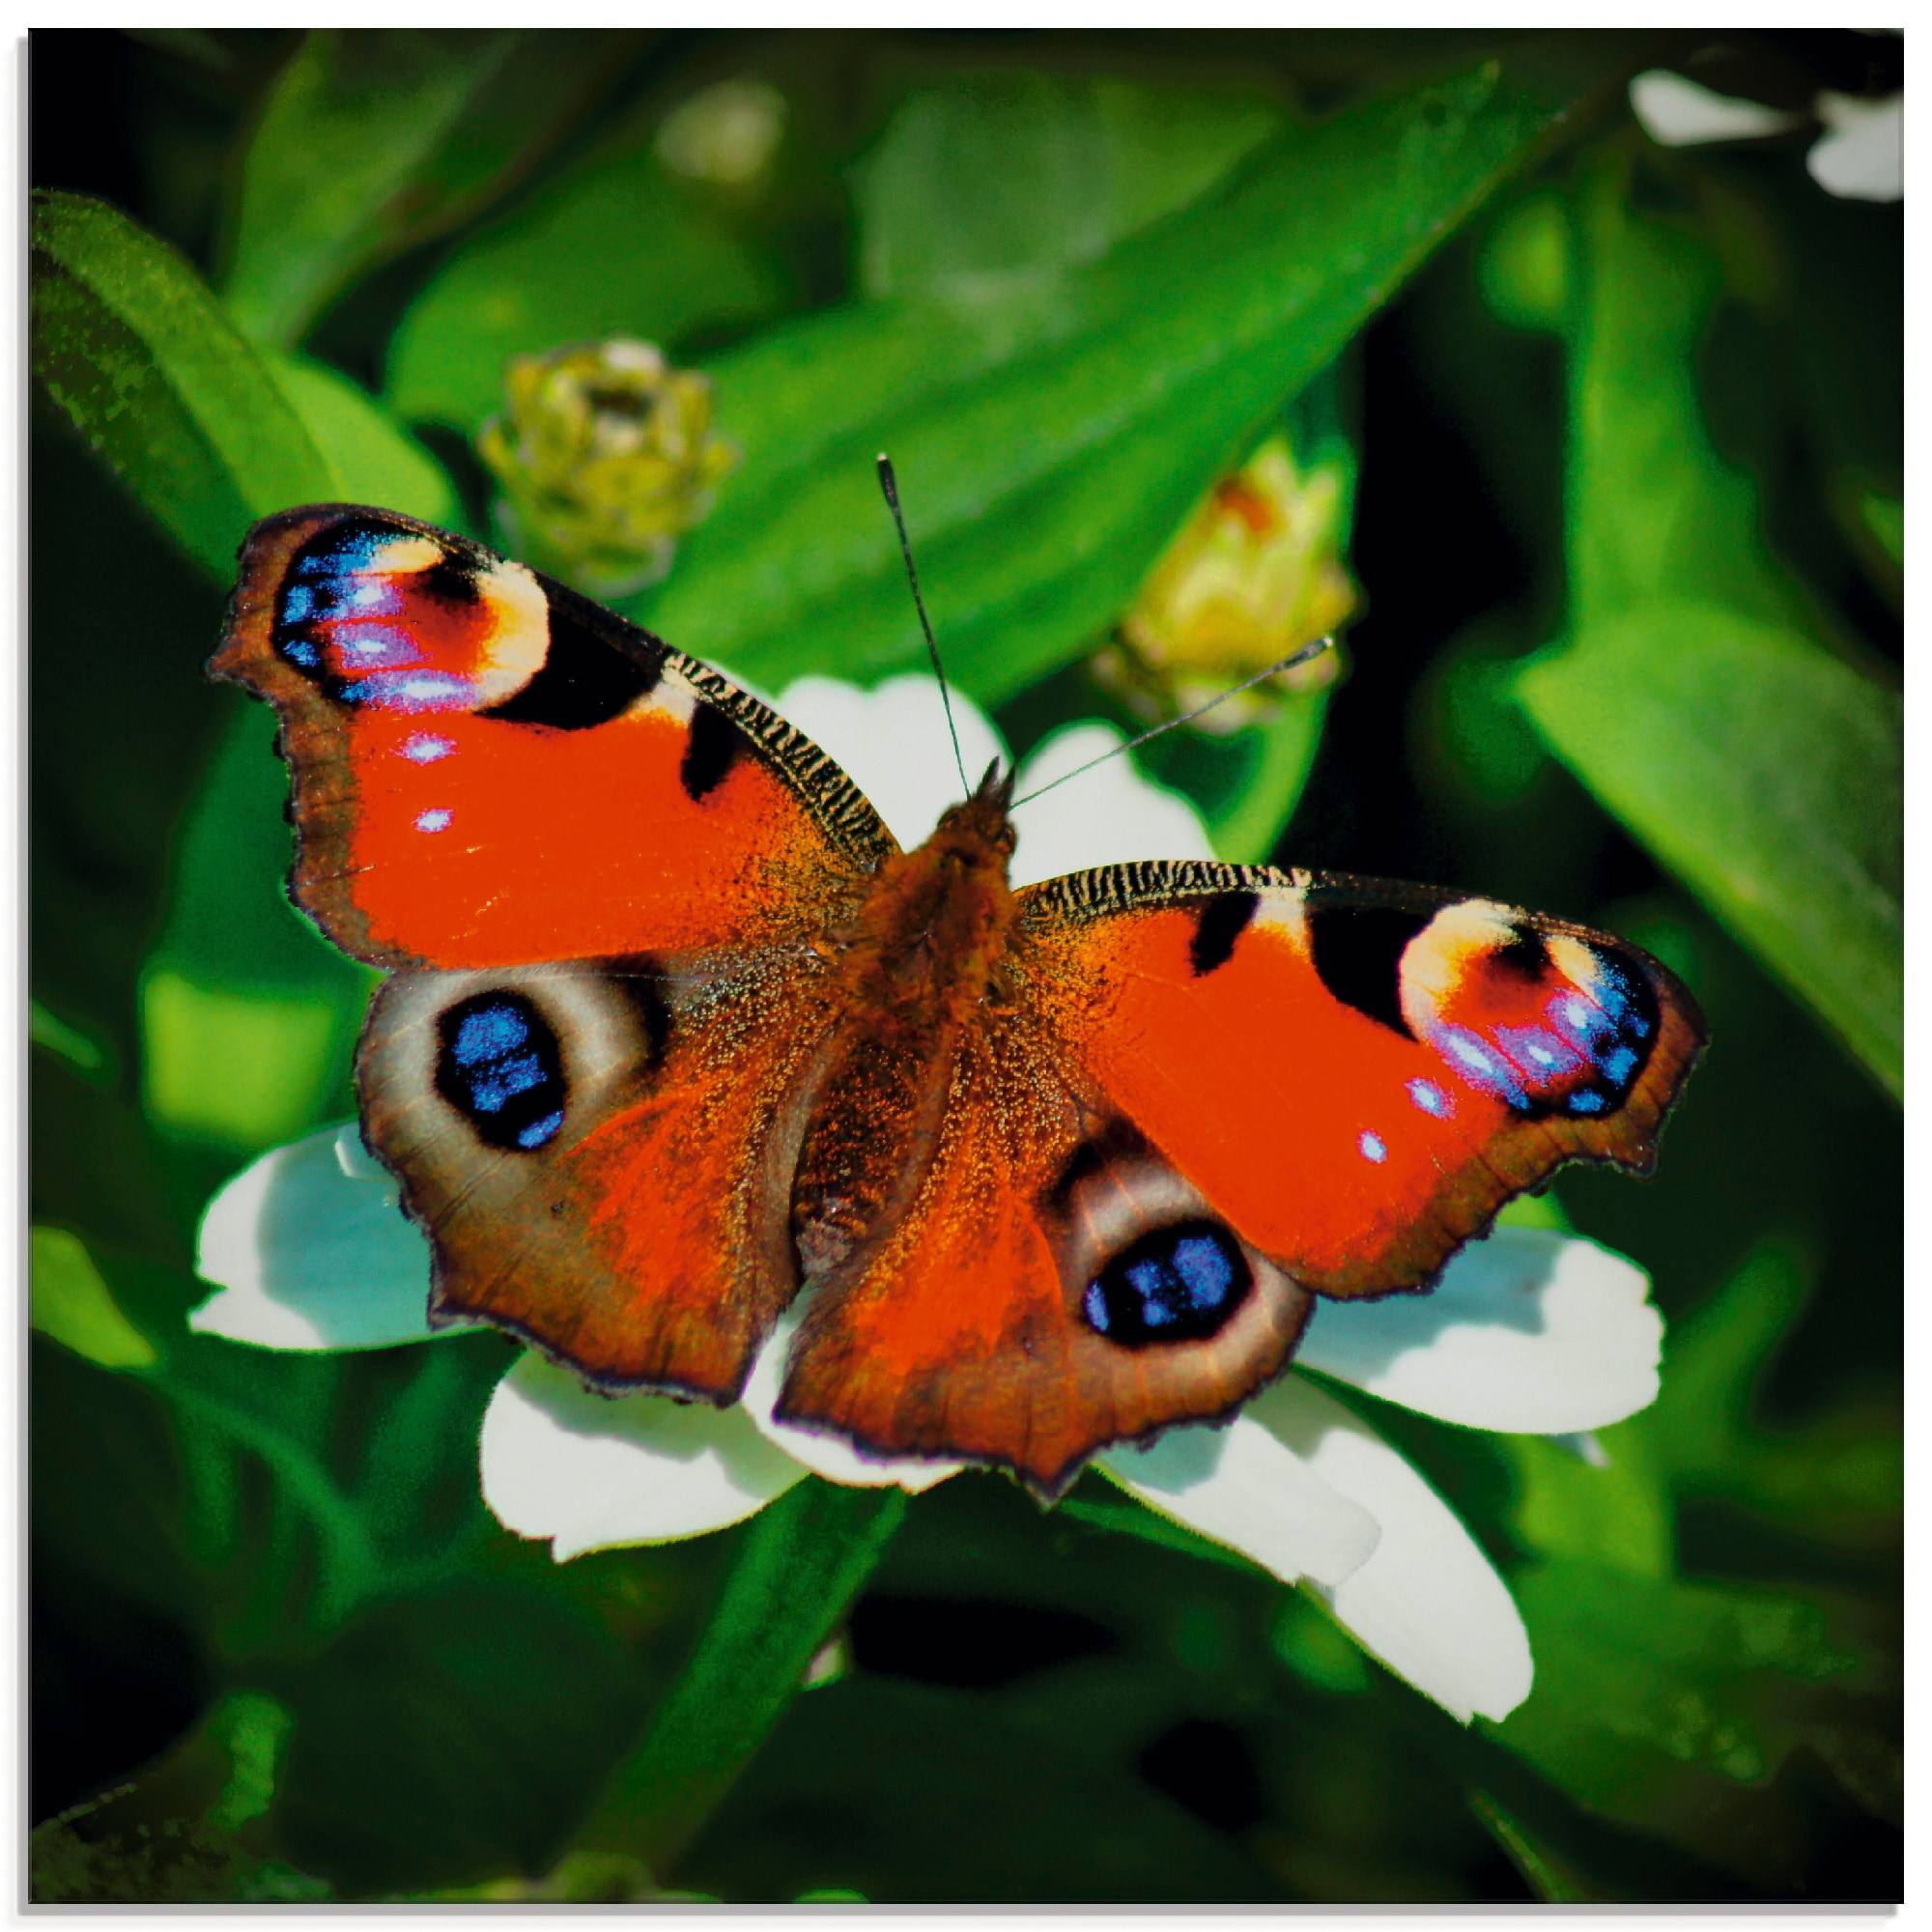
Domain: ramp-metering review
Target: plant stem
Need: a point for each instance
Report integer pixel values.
(802, 1561)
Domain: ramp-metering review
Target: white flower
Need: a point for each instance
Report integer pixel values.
(1529, 1331)
(1861, 157)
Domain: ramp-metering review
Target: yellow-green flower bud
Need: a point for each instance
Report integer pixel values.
(1253, 573)
(606, 457)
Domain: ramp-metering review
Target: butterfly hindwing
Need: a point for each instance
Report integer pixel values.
(490, 769)
(600, 1152)
(1357, 1074)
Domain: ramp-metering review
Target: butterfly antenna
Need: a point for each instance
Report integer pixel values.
(890, 484)
(1293, 658)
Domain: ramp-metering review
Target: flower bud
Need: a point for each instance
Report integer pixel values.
(606, 457)
(1254, 574)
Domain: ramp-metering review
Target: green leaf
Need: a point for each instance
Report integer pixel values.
(450, 1737)
(918, 1796)
(375, 138)
(1615, 1512)
(1670, 1706)
(1840, 1477)
(85, 1048)
(1689, 694)
(1049, 440)
(619, 246)
(76, 1308)
(131, 344)
(1017, 172)
(248, 1015)
(802, 1561)
(372, 457)
(1768, 775)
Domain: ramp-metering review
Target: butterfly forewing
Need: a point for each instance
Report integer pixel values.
(490, 769)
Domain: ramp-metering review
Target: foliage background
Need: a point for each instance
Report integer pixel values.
(1625, 431)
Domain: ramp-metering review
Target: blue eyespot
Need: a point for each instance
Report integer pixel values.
(1177, 1284)
(501, 1068)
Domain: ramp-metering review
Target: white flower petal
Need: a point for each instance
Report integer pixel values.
(1106, 816)
(1678, 113)
(831, 1457)
(1426, 1602)
(1863, 158)
(591, 1471)
(1530, 1331)
(892, 745)
(310, 1250)
(1242, 1485)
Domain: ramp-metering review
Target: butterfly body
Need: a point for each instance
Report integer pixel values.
(682, 1055)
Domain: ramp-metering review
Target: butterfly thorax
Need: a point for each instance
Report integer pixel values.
(923, 957)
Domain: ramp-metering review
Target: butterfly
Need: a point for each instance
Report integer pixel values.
(675, 1034)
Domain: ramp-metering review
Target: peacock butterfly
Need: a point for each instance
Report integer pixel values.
(675, 1030)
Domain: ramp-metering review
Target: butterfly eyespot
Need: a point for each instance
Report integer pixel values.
(1177, 1284)
(501, 1069)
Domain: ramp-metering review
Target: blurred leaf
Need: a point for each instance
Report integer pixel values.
(618, 246)
(76, 1308)
(1010, 172)
(130, 342)
(1246, 785)
(1049, 440)
(176, 1863)
(247, 1069)
(88, 1052)
(1671, 1706)
(450, 1737)
(1884, 517)
(800, 1563)
(1549, 1875)
(1768, 775)
(375, 138)
(1839, 1477)
(1688, 697)
(248, 1014)
(373, 458)
(304, 1487)
(1616, 1513)
(171, 1836)
(912, 1795)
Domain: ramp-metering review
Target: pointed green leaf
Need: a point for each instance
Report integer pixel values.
(130, 342)
(373, 457)
(71, 1303)
(375, 138)
(1768, 775)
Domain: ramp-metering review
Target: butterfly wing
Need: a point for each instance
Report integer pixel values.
(1358, 1074)
(600, 1152)
(490, 769)
(1219, 1091)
